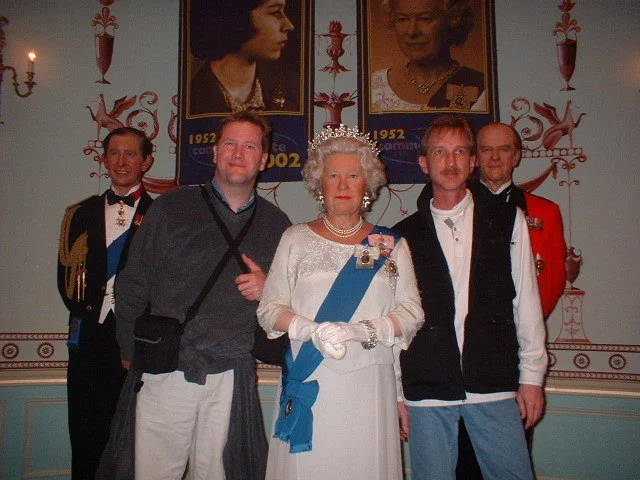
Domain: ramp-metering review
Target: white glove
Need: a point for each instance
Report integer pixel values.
(358, 332)
(341, 332)
(301, 328)
(328, 350)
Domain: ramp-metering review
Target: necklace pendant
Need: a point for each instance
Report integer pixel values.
(425, 87)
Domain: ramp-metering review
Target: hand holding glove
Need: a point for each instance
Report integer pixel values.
(301, 328)
(368, 332)
(328, 350)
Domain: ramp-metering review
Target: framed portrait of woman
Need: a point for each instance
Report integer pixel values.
(238, 55)
(419, 59)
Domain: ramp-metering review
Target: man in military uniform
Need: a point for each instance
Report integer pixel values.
(499, 152)
(94, 239)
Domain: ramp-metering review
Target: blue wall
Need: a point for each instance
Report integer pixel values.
(581, 437)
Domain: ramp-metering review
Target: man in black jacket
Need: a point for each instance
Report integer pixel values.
(481, 354)
(94, 240)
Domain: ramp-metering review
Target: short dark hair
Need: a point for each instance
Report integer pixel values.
(248, 117)
(459, 17)
(219, 27)
(448, 122)
(146, 146)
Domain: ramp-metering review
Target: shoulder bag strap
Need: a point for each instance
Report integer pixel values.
(232, 251)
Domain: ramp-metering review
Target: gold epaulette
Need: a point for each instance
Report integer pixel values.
(73, 258)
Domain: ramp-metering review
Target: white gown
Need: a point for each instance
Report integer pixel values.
(355, 426)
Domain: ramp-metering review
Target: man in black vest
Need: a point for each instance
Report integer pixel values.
(94, 241)
(481, 354)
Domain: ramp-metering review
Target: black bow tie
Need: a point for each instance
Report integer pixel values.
(113, 198)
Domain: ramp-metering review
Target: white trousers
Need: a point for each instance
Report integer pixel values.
(178, 421)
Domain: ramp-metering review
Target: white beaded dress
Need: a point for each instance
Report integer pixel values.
(355, 427)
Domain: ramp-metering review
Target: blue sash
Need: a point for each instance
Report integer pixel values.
(114, 252)
(295, 418)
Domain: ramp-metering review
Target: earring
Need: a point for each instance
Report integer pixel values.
(366, 201)
(320, 200)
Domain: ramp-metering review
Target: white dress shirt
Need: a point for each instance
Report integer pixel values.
(456, 237)
(112, 231)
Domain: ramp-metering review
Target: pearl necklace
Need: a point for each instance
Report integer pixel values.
(424, 88)
(343, 233)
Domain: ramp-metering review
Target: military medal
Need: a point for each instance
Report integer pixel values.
(535, 223)
(540, 264)
(121, 221)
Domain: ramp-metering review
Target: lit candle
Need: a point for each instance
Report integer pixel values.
(32, 57)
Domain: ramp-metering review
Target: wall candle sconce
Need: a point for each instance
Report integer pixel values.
(30, 66)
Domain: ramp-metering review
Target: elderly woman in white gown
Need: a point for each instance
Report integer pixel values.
(345, 292)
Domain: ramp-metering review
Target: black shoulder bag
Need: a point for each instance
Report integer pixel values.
(156, 337)
(264, 349)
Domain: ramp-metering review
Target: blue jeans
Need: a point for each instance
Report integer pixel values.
(496, 432)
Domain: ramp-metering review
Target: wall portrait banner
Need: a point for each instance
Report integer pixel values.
(418, 60)
(244, 55)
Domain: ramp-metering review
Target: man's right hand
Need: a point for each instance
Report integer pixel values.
(126, 364)
(403, 414)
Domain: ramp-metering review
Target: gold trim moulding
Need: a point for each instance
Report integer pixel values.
(34, 377)
(593, 388)
(269, 376)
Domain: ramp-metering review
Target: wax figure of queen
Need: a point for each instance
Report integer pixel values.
(481, 356)
(345, 292)
(94, 241)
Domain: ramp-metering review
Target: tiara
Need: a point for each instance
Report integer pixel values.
(343, 132)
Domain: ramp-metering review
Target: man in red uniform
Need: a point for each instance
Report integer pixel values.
(499, 150)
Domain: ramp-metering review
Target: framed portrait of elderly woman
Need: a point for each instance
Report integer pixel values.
(420, 59)
(240, 55)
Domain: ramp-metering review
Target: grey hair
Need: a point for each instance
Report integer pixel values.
(374, 173)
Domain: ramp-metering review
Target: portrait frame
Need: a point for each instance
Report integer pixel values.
(285, 84)
(396, 123)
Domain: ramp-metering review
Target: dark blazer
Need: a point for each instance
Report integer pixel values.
(88, 218)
